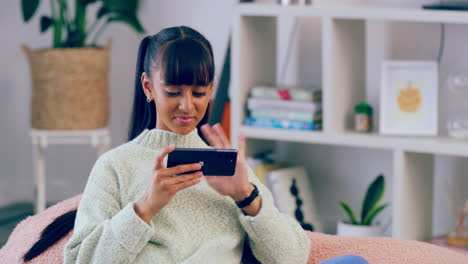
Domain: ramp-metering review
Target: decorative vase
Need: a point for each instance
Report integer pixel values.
(349, 230)
(69, 88)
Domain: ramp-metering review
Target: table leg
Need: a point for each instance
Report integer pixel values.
(40, 178)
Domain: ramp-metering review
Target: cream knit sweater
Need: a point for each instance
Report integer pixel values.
(197, 226)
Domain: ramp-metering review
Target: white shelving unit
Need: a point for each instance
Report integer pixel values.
(254, 61)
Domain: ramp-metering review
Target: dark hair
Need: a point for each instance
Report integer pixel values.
(183, 56)
(55, 231)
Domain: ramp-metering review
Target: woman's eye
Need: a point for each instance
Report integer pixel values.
(172, 94)
(199, 94)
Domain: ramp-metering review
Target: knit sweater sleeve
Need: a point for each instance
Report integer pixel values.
(274, 237)
(105, 232)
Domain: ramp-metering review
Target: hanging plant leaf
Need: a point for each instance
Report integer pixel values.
(46, 22)
(29, 8)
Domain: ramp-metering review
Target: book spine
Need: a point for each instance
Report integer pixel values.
(281, 123)
(257, 103)
(296, 94)
(275, 114)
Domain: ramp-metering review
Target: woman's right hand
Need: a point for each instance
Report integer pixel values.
(164, 185)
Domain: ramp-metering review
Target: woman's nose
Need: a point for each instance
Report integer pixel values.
(186, 103)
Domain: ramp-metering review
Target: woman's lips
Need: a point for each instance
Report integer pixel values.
(184, 120)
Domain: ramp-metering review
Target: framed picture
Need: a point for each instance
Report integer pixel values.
(409, 98)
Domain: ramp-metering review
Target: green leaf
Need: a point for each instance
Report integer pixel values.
(102, 12)
(373, 196)
(46, 22)
(372, 214)
(132, 21)
(87, 2)
(74, 39)
(29, 8)
(121, 6)
(349, 211)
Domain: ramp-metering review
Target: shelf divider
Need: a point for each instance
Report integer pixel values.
(345, 76)
(253, 62)
(412, 195)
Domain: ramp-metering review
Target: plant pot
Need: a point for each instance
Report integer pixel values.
(349, 230)
(69, 88)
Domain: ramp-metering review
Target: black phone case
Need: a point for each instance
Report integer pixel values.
(219, 162)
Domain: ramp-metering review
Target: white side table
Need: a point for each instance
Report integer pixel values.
(41, 139)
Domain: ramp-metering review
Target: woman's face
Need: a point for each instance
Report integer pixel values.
(178, 108)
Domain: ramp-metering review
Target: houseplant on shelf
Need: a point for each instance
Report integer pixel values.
(70, 79)
(371, 207)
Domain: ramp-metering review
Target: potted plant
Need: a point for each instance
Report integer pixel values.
(70, 79)
(371, 207)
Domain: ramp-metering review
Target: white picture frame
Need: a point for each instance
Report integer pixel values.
(409, 98)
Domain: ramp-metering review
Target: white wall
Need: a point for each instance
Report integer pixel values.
(336, 173)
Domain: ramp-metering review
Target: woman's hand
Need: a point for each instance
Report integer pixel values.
(236, 186)
(164, 185)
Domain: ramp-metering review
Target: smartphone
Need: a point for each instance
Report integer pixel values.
(219, 162)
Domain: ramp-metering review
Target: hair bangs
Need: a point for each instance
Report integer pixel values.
(186, 62)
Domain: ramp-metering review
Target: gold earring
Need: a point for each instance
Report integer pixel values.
(148, 99)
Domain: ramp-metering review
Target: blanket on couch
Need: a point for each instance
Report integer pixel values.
(380, 250)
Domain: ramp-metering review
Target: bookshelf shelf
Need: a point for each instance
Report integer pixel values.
(254, 61)
(369, 12)
(428, 145)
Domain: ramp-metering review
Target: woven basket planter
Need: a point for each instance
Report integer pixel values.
(69, 88)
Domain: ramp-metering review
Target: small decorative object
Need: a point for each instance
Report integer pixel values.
(457, 83)
(363, 117)
(457, 86)
(408, 98)
(298, 212)
(371, 207)
(459, 237)
(458, 128)
(70, 79)
(292, 195)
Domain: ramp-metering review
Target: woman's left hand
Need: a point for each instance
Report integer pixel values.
(236, 186)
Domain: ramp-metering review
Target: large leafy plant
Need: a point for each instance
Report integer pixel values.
(73, 31)
(371, 206)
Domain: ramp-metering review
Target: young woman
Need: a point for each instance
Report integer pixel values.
(136, 210)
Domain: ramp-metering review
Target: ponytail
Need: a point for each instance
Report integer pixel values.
(144, 113)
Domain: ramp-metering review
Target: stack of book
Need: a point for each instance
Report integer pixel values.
(284, 108)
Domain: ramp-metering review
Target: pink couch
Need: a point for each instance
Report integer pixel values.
(375, 250)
